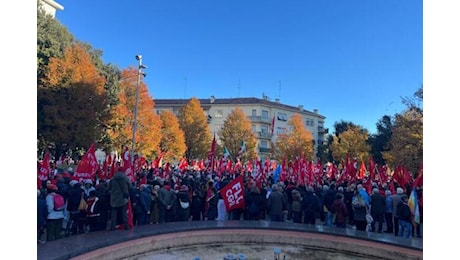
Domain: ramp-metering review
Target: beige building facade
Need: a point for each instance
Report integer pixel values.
(51, 6)
(261, 113)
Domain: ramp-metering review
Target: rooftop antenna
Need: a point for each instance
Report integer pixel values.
(239, 87)
(185, 88)
(279, 89)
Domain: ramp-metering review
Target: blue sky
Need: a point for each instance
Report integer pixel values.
(351, 60)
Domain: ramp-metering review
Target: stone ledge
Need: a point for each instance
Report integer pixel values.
(142, 239)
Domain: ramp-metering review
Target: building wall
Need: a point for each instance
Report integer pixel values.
(50, 7)
(259, 111)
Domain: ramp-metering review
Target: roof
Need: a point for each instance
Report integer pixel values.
(206, 102)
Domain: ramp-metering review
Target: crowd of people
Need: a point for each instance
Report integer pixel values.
(118, 203)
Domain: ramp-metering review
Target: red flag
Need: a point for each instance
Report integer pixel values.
(362, 170)
(419, 180)
(372, 169)
(126, 159)
(129, 211)
(44, 169)
(114, 168)
(127, 167)
(233, 194)
(88, 165)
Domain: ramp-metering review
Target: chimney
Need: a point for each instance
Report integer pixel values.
(315, 111)
(212, 99)
(277, 100)
(301, 107)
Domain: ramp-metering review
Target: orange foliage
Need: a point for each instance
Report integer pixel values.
(148, 134)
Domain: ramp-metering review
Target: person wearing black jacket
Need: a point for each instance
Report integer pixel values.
(329, 198)
(254, 204)
(377, 209)
(404, 218)
(310, 206)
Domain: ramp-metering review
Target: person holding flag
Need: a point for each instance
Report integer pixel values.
(119, 198)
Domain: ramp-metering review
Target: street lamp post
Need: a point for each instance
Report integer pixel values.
(139, 73)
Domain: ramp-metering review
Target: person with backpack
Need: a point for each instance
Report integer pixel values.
(55, 205)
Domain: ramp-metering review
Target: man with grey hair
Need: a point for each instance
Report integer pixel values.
(276, 204)
(396, 199)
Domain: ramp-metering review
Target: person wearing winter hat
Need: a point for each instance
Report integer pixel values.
(55, 217)
(88, 187)
(183, 204)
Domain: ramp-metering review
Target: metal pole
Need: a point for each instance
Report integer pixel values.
(139, 58)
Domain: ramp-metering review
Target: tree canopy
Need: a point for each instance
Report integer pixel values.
(298, 141)
(193, 123)
(236, 128)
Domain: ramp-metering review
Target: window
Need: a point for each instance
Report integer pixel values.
(281, 130)
(176, 111)
(282, 116)
(159, 111)
(263, 144)
(310, 122)
(217, 128)
(219, 113)
(264, 114)
(254, 112)
(264, 129)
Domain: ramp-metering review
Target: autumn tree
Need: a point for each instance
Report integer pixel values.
(352, 141)
(298, 141)
(148, 134)
(237, 128)
(193, 123)
(172, 137)
(72, 101)
(406, 142)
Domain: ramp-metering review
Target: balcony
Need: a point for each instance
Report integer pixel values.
(322, 130)
(264, 135)
(259, 119)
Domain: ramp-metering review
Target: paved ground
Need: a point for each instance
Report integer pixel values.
(75, 245)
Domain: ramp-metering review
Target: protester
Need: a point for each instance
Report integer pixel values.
(404, 218)
(310, 206)
(167, 199)
(42, 215)
(377, 209)
(119, 195)
(388, 211)
(276, 204)
(55, 217)
(360, 209)
(339, 210)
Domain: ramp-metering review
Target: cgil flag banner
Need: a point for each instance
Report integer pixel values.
(233, 194)
(88, 166)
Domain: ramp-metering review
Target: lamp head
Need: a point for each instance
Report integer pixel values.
(138, 57)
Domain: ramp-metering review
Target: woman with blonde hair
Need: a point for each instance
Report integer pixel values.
(360, 210)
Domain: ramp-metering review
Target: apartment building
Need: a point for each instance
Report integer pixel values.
(261, 113)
